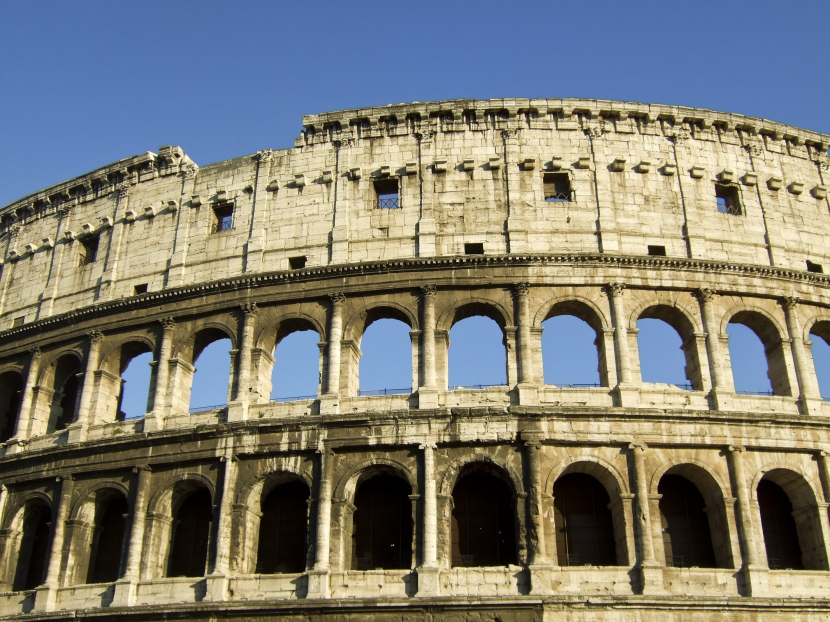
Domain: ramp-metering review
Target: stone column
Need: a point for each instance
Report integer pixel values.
(238, 409)
(155, 420)
(47, 593)
(218, 581)
(754, 573)
(318, 577)
(125, 589)
(651, 574)
(527, 388)
(428, 393)
(329, 402)
(428, 583)
(24, 421)
(80, 430)
(627, 393)
(808, 396)
(540, 566)
(712, 330)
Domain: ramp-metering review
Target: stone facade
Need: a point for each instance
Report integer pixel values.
(691, 216)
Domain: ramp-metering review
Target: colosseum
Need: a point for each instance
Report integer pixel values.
(525, 501)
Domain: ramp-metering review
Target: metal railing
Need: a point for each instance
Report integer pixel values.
(477, 386)
(393, 203)
(222, 225)
(371, 392)
(675, 561)
(199, 409)
(558, 197)
(577, 385)
(295, 398)
(686, 386)
(748, 392)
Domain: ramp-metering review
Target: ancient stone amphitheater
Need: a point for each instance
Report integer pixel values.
(527, 501)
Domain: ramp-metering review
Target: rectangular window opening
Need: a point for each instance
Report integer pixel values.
(728, 200)
(557, 187)
(140, 289)
(657, 251)
(223, 218)
(388, 195)
(88, 251)
(18, 321)
(296, 262)
(475, 248)
(814, 267)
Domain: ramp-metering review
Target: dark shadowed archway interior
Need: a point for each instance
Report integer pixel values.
(483, 530)
(191, 533)
(780, 531)
(382, 524)
(584, 526)
(687, 540)
(282, 529)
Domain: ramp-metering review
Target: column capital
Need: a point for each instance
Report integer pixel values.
(788, 302)
(614, 289)
(337, 299)
(67, 477)
(521, 289)
(35, 352)
(167, 323)
(95, 336)
(427, 446)
(736, 448)
(142, 468)
(704, 294)
(249, 308)
(637, 445)
(428, 291)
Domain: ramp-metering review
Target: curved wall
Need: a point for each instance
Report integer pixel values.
(468, 173)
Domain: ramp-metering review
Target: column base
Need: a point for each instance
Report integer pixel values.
(429, 583)
(755, 581)
(153, 422)
(125, 593)
(541, 579)
(628, 395)
(77, 433)
(651, 579)
(427, 398)
(319, 584)
(237, 411)
(46, 598)
(330, 404)
(528, 394)
(217, 587)
(810, 405)
(15, 445)
(721, 400)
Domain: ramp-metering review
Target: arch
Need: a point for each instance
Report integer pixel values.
(192, 521)
(471, 307)
(46, 376)
(201, 337)
(770, 332)
(83, 508)
(453, 470)
(356, 325)
(699, 473)
(605, 472)
(584, 522)
(31, 544)
(108, 538)
(673, 314)
(820, 352)
(283, 529)
(818, 325)
(685, 326)
(351, 479)
(384, 358)
(67, 387)
(382, 534)
(484, 520)
(578, 306)
(687, 537)
(254, 488)
(11, 398)
(285, 324)
(108, 356)
(166, 499)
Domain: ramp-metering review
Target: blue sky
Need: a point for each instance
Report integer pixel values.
(87, 83)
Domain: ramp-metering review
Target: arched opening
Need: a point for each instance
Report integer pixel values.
(477, 352)
(212, 374)
(283, 529)
(33, 552)
(67, 392)
(779, 527)
(569, 352)
(296, 371)
(687, 540)
(820, 350)
(667, 348)
(191, 536)
(382, 536)
(11, 394)
(386, 361)
(108, 538)
(756, 353)
(483, 520)
(584, 525)
(135, 370)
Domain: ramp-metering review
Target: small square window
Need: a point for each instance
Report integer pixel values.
(476, 248)
(223, 218)
(18, 321)
(657, 251)
(140, 289)
(814, 267)
(728, 200)
(88, 251)
(557, 187)
(387, 192)
(296, 262)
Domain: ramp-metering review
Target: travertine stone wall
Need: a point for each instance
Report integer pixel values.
(468, 172)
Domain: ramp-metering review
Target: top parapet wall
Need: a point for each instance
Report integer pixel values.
(458, 114)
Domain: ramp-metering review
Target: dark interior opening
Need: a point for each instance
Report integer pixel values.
(474, 248)
(557, 187)
(283, 530)
(296, 262)
(382, 536)
(686, 537)
(778, 524)
(814, 267)
(584, 526)
(483, 529)
(387, 193)
(657, 251)
(191, 533)
(105, 562)
(728, 199)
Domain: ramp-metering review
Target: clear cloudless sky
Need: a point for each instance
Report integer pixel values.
(85, 83)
